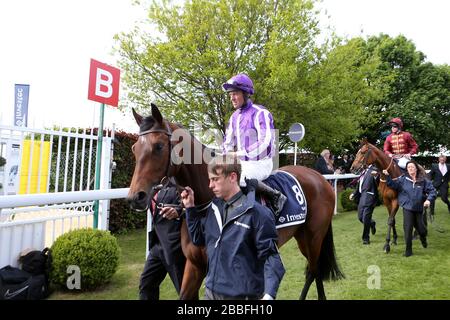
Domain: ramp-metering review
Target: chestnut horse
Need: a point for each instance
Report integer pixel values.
(369, 154)
(163, 150)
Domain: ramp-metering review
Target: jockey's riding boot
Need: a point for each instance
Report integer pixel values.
(275, 197)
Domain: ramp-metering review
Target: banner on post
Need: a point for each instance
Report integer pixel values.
(104, 83)
(21, 95)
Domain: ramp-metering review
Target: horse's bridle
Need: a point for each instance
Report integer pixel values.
(167, 132)
(363, 162)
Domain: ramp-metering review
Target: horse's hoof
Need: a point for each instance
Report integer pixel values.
(394, 242)
(387, 248)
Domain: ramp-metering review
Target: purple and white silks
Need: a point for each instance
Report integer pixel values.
(250, 133)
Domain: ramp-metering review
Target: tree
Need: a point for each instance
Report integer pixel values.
(202, 44)
(410, 88)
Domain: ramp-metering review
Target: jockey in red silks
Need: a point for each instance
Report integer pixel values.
(250, 136)
(400, 144)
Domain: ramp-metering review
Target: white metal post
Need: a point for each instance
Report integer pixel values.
(295, 153)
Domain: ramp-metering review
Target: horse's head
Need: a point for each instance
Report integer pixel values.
(363, 158)
(152, 154)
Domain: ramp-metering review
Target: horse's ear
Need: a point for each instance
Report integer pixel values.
(137, 117)
(156, 114)
(364, 141)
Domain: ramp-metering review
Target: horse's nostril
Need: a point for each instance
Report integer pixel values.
(141, 195)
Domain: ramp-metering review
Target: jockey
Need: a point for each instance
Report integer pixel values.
(399, 144)
(250, 136)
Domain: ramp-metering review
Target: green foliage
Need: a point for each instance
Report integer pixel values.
(202, 44)
(410, 88)
(347, 204)
(95, 252)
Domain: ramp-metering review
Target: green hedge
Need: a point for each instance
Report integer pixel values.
(347, 204)
(95, 252)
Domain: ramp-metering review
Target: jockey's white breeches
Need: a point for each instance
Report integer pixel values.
(259, 170)
(402, 162)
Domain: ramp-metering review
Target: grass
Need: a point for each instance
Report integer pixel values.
(424, 276)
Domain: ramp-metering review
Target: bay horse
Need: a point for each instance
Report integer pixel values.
(369, 154)
(157, 159)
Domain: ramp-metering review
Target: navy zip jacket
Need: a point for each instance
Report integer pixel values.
(243, 258)
(411, 196)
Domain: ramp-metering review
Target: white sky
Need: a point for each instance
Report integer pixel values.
(49, 43)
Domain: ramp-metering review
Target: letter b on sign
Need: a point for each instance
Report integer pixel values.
(104, 83)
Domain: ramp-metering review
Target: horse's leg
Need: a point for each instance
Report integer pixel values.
(387, 246)
(395, 207)
(310, 247)
(301, 242)
(192, 280)
(394, 231)
(320, 289)
(309, 281)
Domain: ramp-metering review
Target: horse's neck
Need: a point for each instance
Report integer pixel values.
(383, 162)
(196, 177)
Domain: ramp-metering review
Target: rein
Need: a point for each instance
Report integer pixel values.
(390, 164)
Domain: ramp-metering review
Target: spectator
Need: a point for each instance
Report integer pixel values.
(440, 175)
(323, 163)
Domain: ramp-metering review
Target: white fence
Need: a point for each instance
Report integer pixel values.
(46, 183)
(334, 180)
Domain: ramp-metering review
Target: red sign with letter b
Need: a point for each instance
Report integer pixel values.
(104, 83)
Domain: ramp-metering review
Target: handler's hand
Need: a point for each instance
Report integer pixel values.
(385, 172)
(426, 204)
(351, 196)
(169, 213)
(187, 196)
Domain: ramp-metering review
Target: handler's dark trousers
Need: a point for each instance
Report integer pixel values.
(412, 219)
(443, 192)
(156, 269)
(365, 216)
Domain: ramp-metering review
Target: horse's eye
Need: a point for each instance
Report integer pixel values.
(159, 146)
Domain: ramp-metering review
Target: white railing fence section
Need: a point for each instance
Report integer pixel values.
(56, 166)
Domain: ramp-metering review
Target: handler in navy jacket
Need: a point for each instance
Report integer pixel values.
(414, 193)
(366, 196)
(239, 235)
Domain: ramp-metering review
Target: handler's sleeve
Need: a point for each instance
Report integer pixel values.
(265, 240)
(430, 191)
(195, 226)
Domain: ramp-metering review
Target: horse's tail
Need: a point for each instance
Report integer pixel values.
(328, 267)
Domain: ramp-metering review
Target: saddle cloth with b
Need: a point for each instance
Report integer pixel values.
(295, 209)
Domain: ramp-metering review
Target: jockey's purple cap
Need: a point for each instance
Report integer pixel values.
(239, 82)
